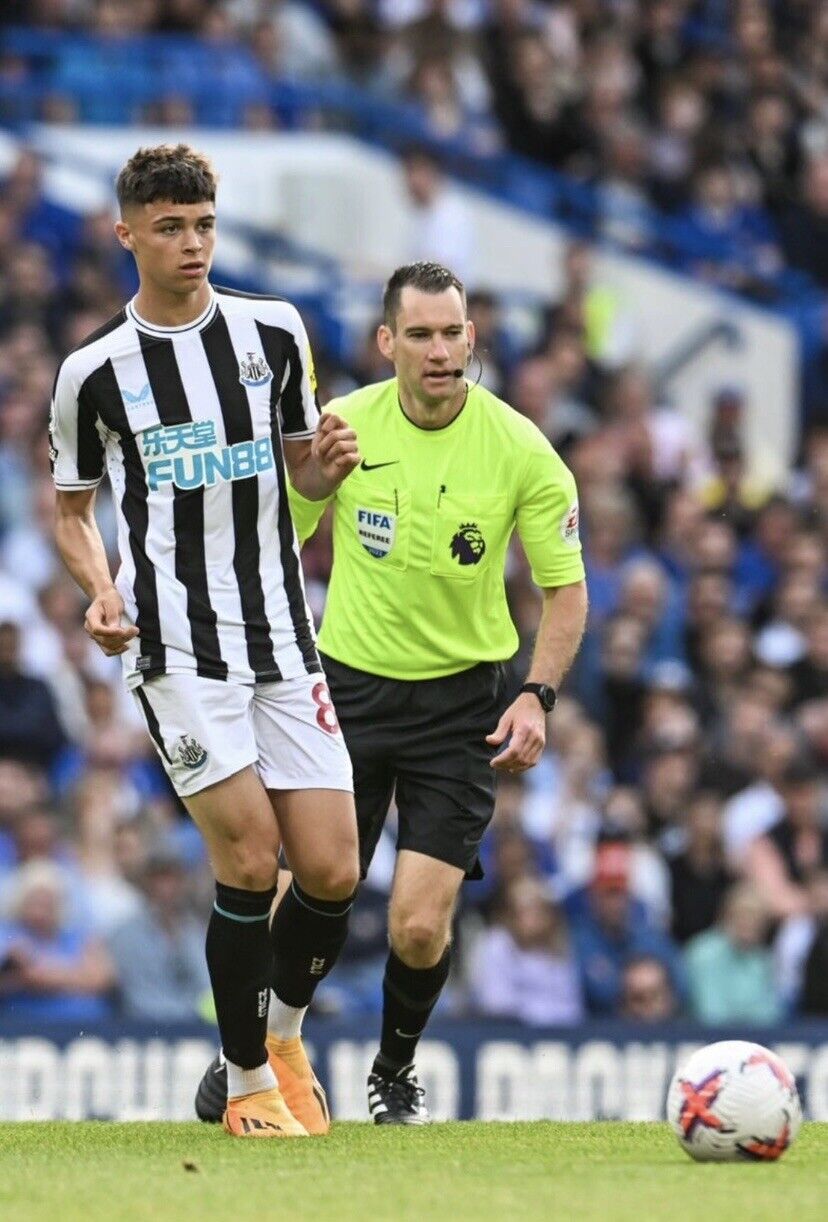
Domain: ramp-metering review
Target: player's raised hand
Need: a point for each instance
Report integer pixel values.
(103, 623)
(524, 725)
(334, 447)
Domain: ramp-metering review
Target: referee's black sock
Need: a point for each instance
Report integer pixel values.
(307, 936)
(409, 994)
(240, 962)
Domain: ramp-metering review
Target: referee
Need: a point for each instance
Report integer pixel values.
(416, 630)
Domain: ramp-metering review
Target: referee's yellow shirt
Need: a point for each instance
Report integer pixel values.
(420, 533)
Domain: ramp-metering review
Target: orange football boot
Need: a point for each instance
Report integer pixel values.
(262, 1114)
(300, 1088)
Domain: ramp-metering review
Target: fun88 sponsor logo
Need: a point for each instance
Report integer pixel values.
(189, 456)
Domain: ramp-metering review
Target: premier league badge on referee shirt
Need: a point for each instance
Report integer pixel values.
(254, 371)
(468, 546)
(377, 529)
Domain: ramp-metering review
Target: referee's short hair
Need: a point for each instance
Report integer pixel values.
(427, 277)
(174, 172)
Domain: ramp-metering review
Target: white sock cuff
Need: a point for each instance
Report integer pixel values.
(283, 1021)
(249, 1081)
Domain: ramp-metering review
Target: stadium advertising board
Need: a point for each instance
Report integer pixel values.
(487, 1071)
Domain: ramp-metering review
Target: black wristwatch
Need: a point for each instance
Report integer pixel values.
(546, 694)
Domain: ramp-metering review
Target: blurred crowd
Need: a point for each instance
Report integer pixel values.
(694, 132)
(715, 113)
(669, 855)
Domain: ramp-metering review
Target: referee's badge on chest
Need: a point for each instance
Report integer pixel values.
(377, 529)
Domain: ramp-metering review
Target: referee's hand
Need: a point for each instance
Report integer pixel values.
(335, 448)
(524, 725)
(103, 623)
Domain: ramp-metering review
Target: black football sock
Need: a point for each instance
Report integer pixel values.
(240, 961)
(307, 935)
(409, 994)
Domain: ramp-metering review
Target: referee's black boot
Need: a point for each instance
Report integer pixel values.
(211, 1096)
(396, 1097)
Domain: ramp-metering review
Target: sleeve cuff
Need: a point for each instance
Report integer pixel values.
(565, 577)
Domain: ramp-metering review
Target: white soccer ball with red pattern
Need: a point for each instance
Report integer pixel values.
(734, 1101)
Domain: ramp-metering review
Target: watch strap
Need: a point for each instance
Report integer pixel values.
(545, 693)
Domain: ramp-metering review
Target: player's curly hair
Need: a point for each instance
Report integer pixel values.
(174, 172)
(427, 277)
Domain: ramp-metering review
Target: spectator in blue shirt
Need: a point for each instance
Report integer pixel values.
(39, 218)
(51, 969)
(609, 928)
(647, 596)
(722, 240)
(159, 951)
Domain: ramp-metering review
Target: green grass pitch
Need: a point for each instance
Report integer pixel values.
(158, 1172)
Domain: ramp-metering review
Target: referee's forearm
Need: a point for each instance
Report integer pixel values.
(561, 628)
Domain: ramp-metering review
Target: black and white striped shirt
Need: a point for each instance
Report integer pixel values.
(188, 422)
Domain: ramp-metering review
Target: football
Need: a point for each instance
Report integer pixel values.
(734, 1101)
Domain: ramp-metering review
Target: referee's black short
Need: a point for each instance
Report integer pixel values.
(424, 740)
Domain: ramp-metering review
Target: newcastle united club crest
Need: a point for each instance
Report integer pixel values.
(254, 370)
(190, 753)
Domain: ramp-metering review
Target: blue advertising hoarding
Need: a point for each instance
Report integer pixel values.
(475, 1069)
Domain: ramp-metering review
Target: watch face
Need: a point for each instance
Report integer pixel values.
(545, 694)
(547, 697)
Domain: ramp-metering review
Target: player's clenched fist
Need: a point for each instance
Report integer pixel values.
(334, 447)
(103, 623)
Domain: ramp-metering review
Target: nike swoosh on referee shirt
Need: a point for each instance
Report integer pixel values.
(373, 466)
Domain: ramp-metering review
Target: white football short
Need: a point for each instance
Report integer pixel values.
(206, 729)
